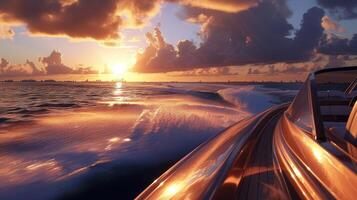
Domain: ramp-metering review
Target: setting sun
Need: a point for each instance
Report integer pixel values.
(119, 69)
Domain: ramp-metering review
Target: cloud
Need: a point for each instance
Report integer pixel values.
(93, 19)
(319, 61)
(84, 70)
(334, 45)
(307, 38)
(337, 61)
(330, 25)
(233, 32)
(52, 66)
(341, 60)
(340, 9)
(260, 34)
(266, 70)
(157, 54)
(295, 69)
(97, 19)
(6, 32)
(138, 12)
(213, 71)
(222, 5)
(34, 70)
(26, 69)
(3, 63)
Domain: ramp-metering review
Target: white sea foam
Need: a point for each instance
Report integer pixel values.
(248, 98)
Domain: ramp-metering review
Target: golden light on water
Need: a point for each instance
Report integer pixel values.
(118, 86)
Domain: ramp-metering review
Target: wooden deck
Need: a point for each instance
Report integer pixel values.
(259, 180)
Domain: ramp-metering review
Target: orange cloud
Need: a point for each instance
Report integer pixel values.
(223, 5)
(331, 25)
(95, 19)
(26, 69)
(52, 66)
(6, 32)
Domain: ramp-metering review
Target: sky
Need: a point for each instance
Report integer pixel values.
(175, 40)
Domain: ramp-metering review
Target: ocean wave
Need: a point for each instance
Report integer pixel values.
(29, 112)
(4, 119)
(248, 98)
(208, 92)
(59, 105)
(173, 129)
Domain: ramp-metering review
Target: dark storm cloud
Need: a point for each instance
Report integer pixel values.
(340, 9)
(95, 19)
(333, 45)
(260, 34)
(81, 19)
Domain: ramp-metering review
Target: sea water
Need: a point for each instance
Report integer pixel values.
(67, 140)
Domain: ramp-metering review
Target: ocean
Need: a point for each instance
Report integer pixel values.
(71, 140)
